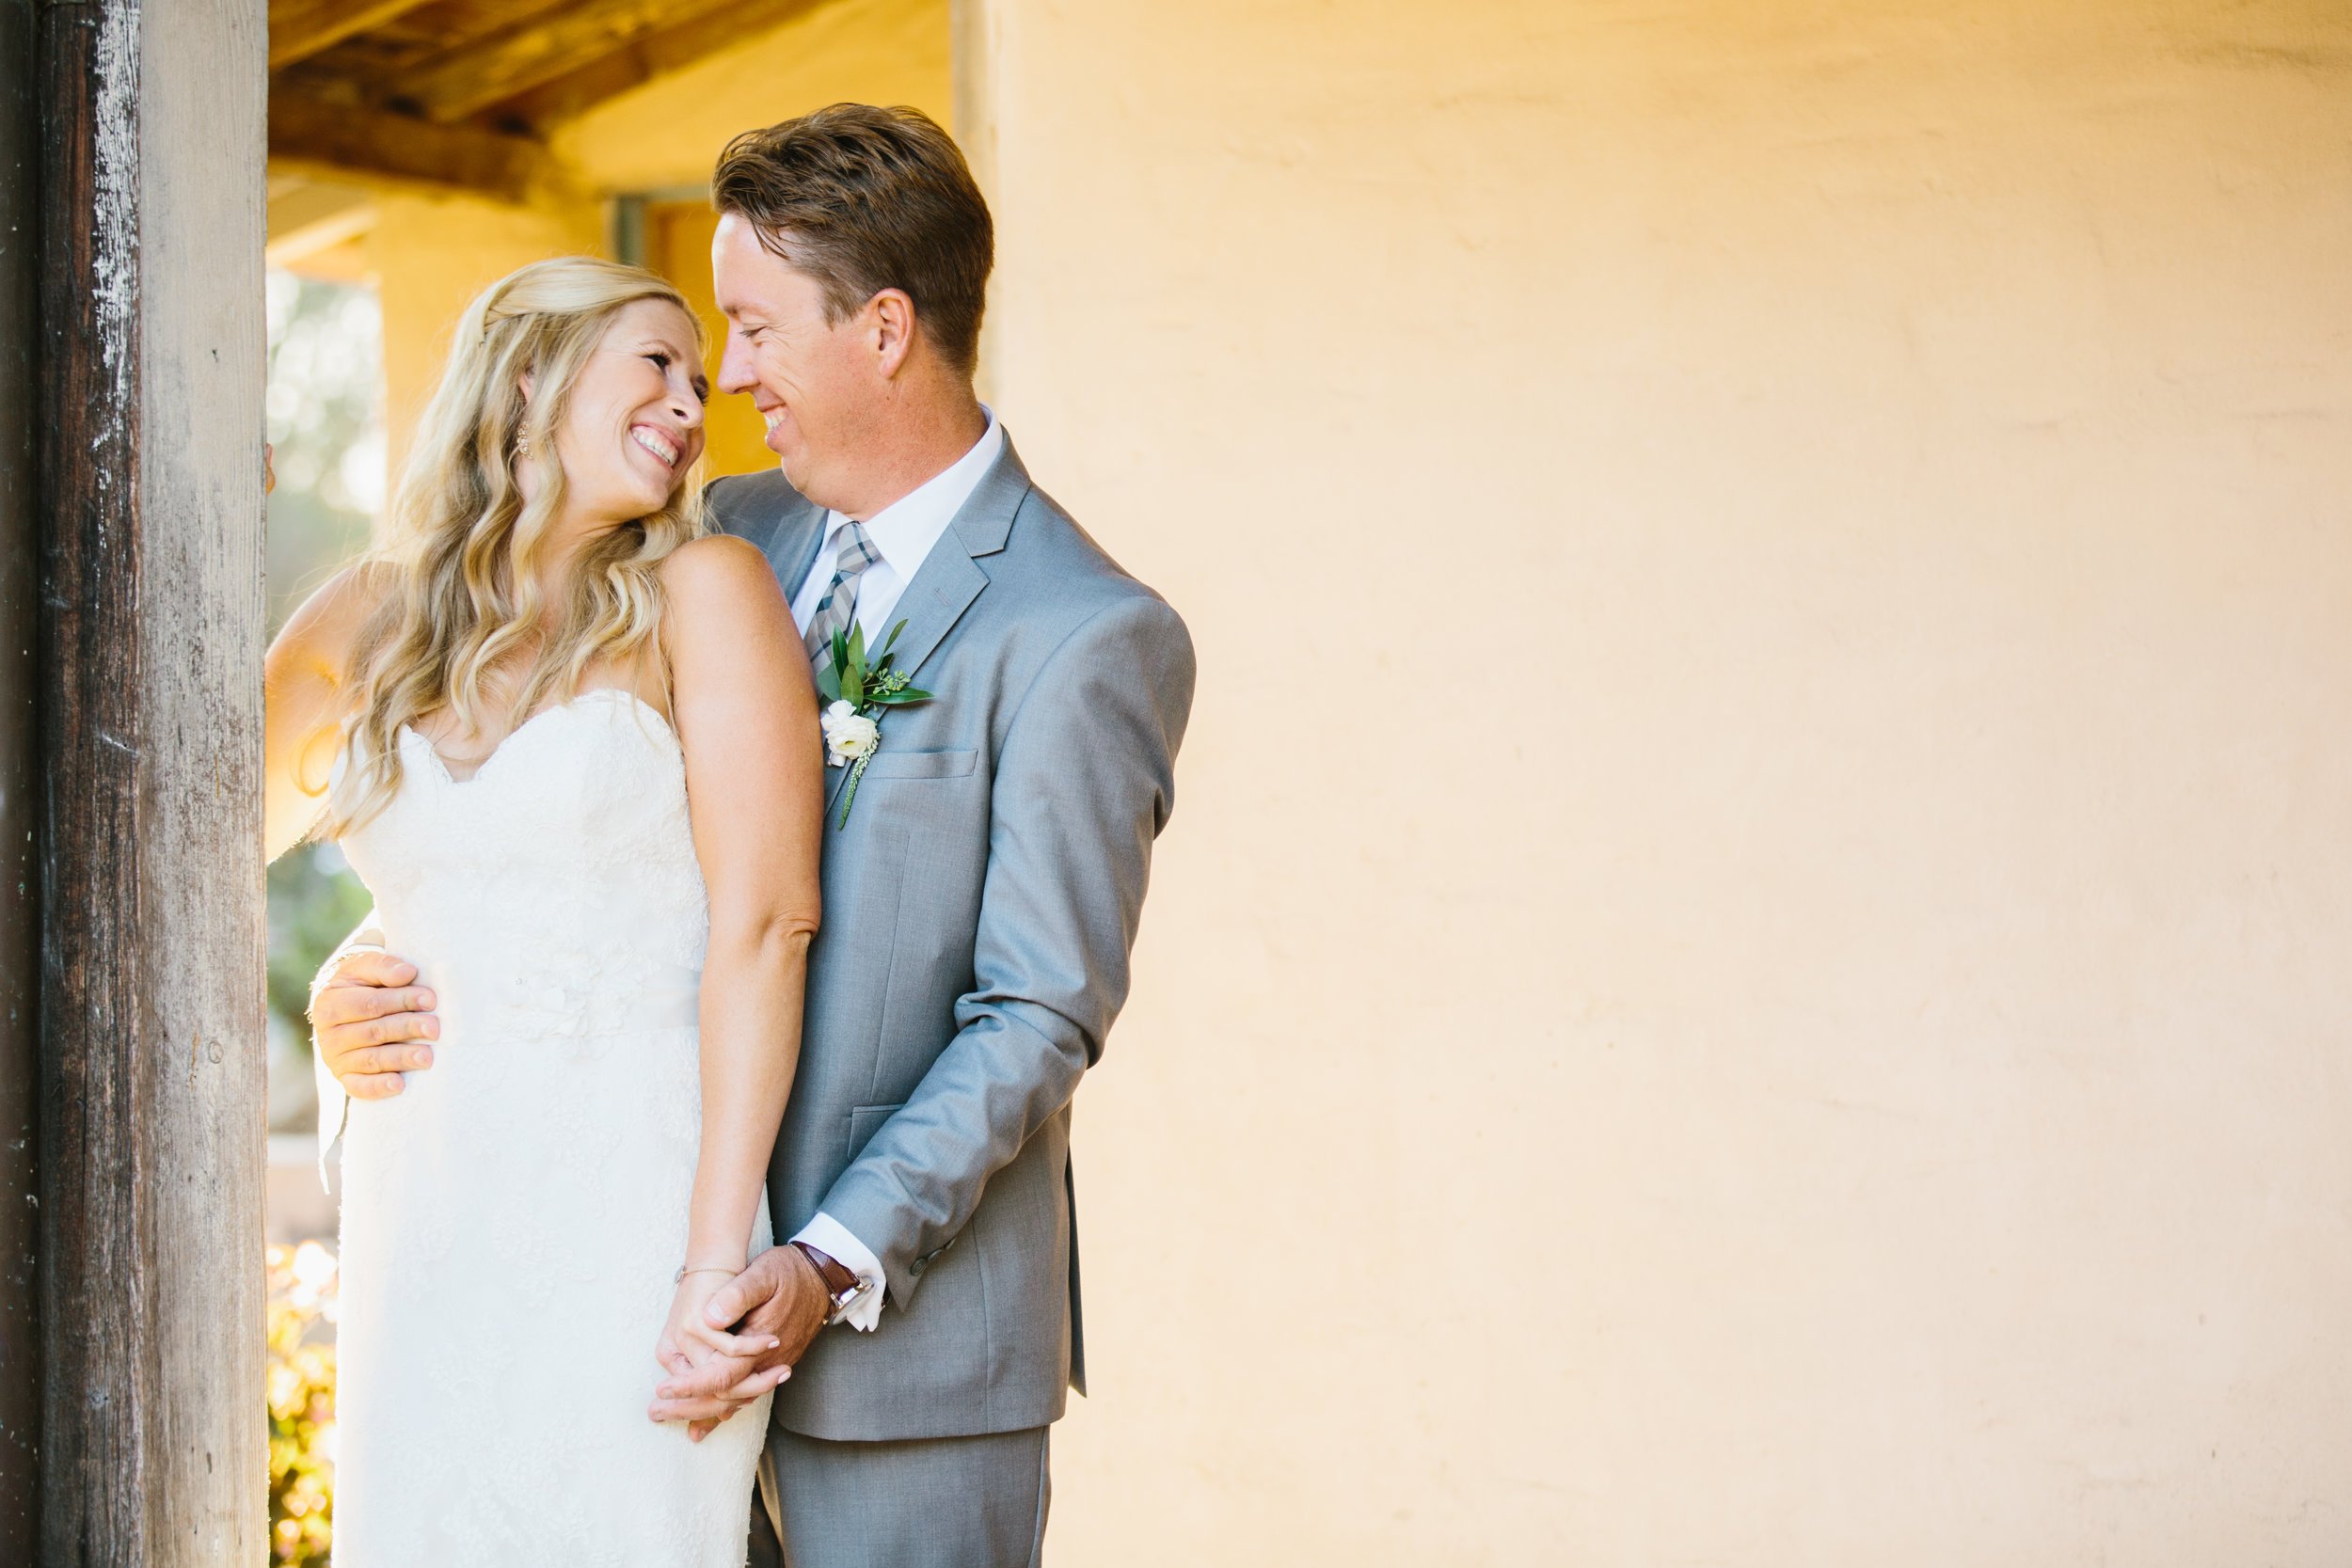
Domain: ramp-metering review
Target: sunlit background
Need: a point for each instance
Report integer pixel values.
(326, 427)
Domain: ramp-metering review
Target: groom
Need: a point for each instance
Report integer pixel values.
(981, 891)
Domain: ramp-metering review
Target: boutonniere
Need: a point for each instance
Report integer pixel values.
(855, 691)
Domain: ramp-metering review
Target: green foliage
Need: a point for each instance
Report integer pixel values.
(869, 686)
(852, 678)
(315, 901)
(301, 1404)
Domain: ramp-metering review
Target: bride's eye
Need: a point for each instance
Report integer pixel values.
(662, 362)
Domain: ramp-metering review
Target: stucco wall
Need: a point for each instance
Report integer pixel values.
(1750, 968)
(429, 255)
(669, 131)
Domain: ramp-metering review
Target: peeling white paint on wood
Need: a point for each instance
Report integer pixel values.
(115, 275)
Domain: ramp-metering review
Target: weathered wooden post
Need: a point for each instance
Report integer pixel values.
(151, 1129)
(19, 1320)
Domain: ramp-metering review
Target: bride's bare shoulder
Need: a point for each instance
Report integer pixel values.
(726, 629)
(720, 578)
(712, 561)
(324, 627)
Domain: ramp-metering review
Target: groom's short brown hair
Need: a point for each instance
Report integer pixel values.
(863, 199)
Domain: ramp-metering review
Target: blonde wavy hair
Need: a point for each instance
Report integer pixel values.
(457, 566)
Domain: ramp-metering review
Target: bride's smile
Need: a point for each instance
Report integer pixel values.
(632, 425)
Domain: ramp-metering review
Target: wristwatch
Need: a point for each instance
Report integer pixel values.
(842, 1287)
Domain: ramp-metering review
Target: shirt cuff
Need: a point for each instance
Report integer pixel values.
(831, 1238)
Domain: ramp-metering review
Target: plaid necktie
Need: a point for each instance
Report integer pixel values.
(838, 608)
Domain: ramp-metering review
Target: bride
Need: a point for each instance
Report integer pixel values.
(569, 743)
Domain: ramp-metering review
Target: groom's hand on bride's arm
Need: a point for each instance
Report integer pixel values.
(779, 1295)
(372, 1022)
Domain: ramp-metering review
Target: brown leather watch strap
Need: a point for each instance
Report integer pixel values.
(837, 1275)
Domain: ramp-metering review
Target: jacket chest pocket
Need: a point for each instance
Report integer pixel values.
(887, 764)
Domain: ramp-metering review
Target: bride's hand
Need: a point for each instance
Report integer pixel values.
(688, 1340)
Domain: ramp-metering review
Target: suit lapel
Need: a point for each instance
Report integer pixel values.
(951, 575)
(796, 550)
(787, 529)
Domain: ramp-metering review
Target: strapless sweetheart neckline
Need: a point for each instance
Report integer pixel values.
(447, 776)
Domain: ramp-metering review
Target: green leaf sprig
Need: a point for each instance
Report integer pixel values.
(869, 686)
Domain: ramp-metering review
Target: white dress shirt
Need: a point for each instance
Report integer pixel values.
(903, 533)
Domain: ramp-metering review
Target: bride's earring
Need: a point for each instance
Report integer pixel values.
(522, 447)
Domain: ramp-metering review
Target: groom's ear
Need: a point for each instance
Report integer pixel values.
(893, 315)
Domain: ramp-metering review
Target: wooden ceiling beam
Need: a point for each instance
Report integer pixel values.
(318, 227)
(472, 78)
(400, 148)
(564, 96)
(309, 215)
(301, 28)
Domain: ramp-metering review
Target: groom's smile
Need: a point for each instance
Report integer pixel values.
(812, 373)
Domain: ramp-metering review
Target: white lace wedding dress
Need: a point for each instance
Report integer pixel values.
(512, 1221)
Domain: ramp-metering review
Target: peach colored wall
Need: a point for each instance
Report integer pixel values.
(1751, 965)
(677, 246)
(670, 131)
(430, 255)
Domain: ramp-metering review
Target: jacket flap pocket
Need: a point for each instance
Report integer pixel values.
(866, 1120)
(887, 764)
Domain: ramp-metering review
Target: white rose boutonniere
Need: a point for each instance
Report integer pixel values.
(849, 736)
(856, 690)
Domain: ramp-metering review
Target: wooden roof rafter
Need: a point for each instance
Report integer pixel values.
(306, 27)
(481, 75)
(345, 142)
(460, 94)
(654, 55)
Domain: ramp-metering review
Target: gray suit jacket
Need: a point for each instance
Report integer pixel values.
(978, 912)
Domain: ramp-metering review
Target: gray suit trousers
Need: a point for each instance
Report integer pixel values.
(922, 1502)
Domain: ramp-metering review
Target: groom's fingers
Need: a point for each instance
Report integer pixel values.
(737, 1299)
(688, 1410)
(758, 1382)
(368, 970)
(698, 1406)
(724, 1378)
(372, 1085)
(372, 1025)
(712, 1393)
(710, 1380)
(374, 1014)
(383, 1059)
(744, 1345)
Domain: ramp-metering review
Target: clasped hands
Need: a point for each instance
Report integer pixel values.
(730, 1341)
(727, 1341)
